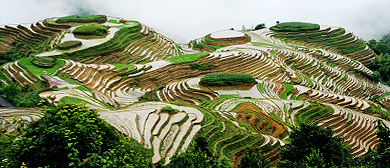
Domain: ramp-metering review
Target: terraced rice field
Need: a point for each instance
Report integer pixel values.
(132, 73)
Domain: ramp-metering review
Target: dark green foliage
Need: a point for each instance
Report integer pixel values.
(15, 95)
(379, 157)
(224, 79)
(196, 45)
(44, 62)
(310, 137)
(75, 136)
(315, 159)
(197, 156)
(169, 109)
(91, 30)
(69, 45)
(11, 55)
(202, 66)
(381, 64)
(82, 19)
(6, 138)
(295, 27)
(260, 26)
(254, 158)
(379, 47)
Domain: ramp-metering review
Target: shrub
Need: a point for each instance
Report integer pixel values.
(169, 109)
(202, 66)
(44, 62)
(260, 26)
(295, 27)
(75, 136)
(254, 158)
(223, 79)
(308, 138)
(91, 30)
(69, 45)
(82, 19)
(197, 45)
(197, 155)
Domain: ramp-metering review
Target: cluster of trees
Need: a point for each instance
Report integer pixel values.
(24, 97)
(381, 64)
(314, 146)
(73, 135)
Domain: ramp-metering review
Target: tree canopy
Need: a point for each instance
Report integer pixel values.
(260, 26)
(254, 158)
(381, 67)
(74, 136)
(198, 156)
(307, 141)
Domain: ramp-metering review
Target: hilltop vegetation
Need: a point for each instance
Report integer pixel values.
(82, 19)
(230, 98)
(91, 30)
(295, 27)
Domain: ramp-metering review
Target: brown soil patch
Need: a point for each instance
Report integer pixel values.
(251, 114)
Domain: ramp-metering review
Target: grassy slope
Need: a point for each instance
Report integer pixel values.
(40, 71)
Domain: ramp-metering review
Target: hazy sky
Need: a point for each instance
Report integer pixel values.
(183, 20)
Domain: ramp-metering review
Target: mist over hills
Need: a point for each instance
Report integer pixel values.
(192, 19)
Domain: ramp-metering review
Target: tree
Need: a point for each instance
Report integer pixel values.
(253, 159)
(197, 155)
(379, 157)
(260, 26)
(381, 64)
(310, 137)
(13, 94)
(379, 47)
(75, 136)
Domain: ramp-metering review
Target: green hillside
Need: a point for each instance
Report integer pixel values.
(224, 94)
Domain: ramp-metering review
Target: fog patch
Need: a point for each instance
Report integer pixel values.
(186, 20)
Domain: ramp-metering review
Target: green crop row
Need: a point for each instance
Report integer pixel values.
(82, 19)
(353, 48)
(313, 112)
(223, 79)
(295, 27)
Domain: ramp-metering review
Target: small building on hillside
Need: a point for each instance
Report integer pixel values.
(5, 103)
